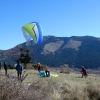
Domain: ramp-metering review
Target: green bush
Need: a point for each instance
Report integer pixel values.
(10, 66)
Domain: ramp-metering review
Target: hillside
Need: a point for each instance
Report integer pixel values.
(55, 51)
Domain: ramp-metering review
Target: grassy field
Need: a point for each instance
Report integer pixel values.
(32, 75)
(64, 87)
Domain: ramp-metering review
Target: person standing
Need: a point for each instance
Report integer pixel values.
(39, 67)
(0, 65)
(84, 73)
(19, 70)
(5, 68)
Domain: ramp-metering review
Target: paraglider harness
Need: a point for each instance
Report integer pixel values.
(45, 73)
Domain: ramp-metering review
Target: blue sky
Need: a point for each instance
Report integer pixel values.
(63, 18)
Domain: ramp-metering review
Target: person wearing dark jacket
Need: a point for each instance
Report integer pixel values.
(19, 70)
(0, 65)
(47, 71)
(5, 68)
(84, 73)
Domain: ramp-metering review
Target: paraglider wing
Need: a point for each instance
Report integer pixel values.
(32, 31)
(39, 33)
(54, 75)
(28, 32)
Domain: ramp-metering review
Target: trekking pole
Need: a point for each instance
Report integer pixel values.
(24, 76)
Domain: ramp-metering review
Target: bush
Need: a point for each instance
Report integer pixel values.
(93, 91)
(34, 66)
(10, 66)
(64, 69)
(48, 90)
(12, 90)
(38, 90)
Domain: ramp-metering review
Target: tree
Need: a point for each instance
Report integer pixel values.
(10, 66)
(25, 57)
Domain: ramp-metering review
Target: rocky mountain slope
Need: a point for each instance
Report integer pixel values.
(55, 51)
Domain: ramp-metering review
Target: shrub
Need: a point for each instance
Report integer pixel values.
(49, 89)
(64, 69)
(34, 66)
(93, 91)
(12, 90)
(10, 66)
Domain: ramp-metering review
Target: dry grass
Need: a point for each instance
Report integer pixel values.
(65, 87)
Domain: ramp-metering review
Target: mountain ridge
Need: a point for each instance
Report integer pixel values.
(55, 51)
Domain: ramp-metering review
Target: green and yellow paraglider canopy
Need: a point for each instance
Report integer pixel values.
(32, 31)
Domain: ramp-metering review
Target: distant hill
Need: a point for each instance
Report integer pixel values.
(55, 51)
